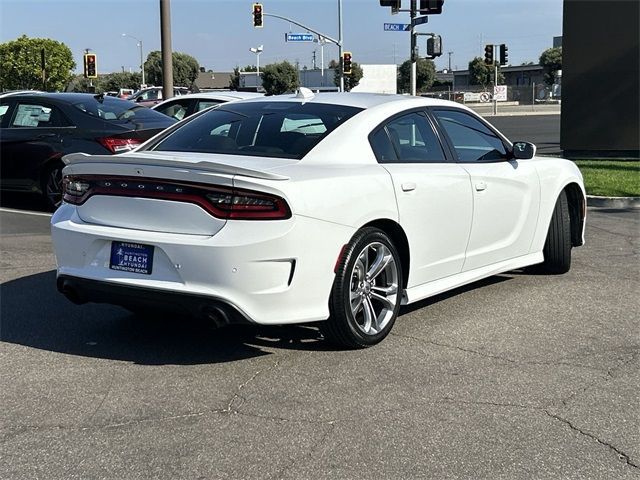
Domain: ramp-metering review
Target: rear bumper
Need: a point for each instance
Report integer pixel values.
(82, 290)
(277, 272)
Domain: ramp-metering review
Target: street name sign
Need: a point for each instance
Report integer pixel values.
(397, 27)
(420, 20)
(298, 37)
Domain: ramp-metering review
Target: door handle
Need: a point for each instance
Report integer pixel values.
(46, 135)
(408, 186)
(480, 186)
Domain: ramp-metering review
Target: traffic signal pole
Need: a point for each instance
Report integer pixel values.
(167, 57)
(495, 84)
(320, 34)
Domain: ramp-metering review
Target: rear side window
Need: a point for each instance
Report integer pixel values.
(472, 140)
(264, 129)
(204, 104)
(116, 110)
(3, 111)
(382, 147)
(32, 115)
(414, 139)
(176, 109)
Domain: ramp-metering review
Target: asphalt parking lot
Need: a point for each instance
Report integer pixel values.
(518, 376)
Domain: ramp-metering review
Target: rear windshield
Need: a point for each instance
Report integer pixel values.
(115, 109)
(266, 129)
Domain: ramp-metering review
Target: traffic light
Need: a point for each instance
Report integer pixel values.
(90, 65)
(257, 15)
(434, 46)
(431, 7)
(504, 54)
(488, 55)
(394, 4)
(346, 63)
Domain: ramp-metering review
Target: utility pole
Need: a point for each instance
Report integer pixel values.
(167, 57)
(340, 43)
(449, 53)
(413, 56)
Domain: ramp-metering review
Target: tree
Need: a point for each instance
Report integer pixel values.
(20, 64)
(80, 84)
(425, 75)
(234, 81)
(279, 78)
(333, 63)
(482, 74)
(185, 68)
(551, 62)
(115, 81)
(350, 80)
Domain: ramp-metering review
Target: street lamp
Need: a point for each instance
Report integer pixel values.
(141, 54)
(257, 51)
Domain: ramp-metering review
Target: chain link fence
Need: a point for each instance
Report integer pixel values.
(535, 94)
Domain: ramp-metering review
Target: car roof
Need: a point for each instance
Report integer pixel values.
(221, 95)
(72, 97)
(358, 100)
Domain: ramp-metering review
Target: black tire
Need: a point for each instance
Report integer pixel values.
(357, 280)
(557, 247)
(51, 185)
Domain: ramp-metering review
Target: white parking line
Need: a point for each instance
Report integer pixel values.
(25, 212)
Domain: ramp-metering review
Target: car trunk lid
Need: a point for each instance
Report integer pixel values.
(171, 193)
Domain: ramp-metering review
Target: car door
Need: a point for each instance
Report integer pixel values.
(34, 135)
(433, 195)
(506, 191)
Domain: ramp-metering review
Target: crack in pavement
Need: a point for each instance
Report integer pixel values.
(445, 400)
(498, 357)
(620, 453)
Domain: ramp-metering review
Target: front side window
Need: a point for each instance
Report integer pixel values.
(414, 140)
(472, 140)
(36, 116)
(264, 129)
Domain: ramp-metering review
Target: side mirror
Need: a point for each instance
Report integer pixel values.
(523, 150)
(140, 99)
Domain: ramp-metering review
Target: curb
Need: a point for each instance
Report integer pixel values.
(613, 202)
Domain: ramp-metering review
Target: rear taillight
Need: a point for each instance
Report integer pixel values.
(119, 145)
(221, 202)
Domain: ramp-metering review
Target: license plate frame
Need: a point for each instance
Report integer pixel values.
(131, 257)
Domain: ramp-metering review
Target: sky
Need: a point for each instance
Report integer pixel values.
(219, 33)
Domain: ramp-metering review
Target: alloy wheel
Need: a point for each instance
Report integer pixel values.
(373, 292)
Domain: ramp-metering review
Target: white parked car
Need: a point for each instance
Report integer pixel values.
(184, 106)
(335, 208)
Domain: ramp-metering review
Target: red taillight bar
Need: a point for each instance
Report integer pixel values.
(119, 145)
(219, 201)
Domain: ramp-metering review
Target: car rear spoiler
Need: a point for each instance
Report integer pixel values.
(140, 159)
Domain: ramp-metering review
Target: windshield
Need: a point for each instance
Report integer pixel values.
(265, 129)
(115, 109)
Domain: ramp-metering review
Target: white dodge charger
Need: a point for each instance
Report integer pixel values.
(336, 208)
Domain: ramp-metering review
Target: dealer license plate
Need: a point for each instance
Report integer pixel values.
(131, 257)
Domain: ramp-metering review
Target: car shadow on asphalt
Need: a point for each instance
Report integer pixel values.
(23, 201)
(455, 292)
(34, 314)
